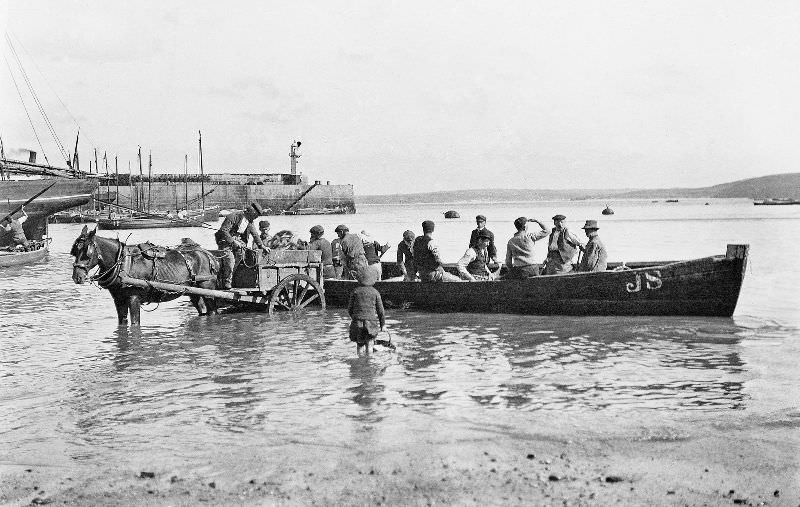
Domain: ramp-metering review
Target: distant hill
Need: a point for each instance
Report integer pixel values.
(764, 187)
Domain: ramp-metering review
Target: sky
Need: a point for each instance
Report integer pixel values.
(415, 96)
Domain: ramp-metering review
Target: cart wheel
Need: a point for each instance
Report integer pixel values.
(295, 292)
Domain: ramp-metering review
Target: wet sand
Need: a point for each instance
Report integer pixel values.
(747, 467)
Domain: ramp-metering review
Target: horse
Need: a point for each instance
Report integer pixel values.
(187, 264)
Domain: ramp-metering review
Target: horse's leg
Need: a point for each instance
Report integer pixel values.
(199, 304)
(211, 304)
(121, 303)
(135, 307)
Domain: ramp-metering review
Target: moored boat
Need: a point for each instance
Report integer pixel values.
(18, 258)
(147, 222)
(707, 286)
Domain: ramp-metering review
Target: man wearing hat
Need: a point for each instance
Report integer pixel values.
(373, 251)
(232, 238)
(595, 254)
(11, 231)
(426, 257)
(562, 247)
(352, 252)
(520, 261)
(319, 243)
(472, 265)
(480, 221)
(405, 257)
(263, 227)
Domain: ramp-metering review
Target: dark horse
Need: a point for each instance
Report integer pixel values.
(188, 264)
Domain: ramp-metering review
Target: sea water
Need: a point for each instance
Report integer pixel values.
(183, 390)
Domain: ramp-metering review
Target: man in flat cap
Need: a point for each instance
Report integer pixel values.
(561, 248)
(595, 255)
(426, 257)
(472, 266)
(353, 257)
(520, 260)
(320, 243)
(480, 221)
(232, 238)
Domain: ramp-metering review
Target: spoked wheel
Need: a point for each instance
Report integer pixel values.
(296, 292)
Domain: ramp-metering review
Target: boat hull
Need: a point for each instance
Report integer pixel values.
(141, 223)
(65, 194)
(703, 287)
(8, 259)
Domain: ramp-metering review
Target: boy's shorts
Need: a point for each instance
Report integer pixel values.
(362, 331)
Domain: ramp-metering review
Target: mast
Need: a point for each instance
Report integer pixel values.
(140, 188)
(96, 206)
(108, 186)
(293, 156)
(116, 178)
(76, 166)
(186, 182)
(149, 178)
(130, 182)
(202, 178)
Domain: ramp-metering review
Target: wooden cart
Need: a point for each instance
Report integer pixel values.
(281, 280)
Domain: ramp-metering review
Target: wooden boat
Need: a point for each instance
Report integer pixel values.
(149, 222)
(708, 286)
(13, 258)
(778, 201)
(451, 214)
(608, 210)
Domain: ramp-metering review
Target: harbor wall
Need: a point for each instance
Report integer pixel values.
(274, 197)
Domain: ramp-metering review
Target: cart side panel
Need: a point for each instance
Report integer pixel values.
(281, 263)
(245, 276)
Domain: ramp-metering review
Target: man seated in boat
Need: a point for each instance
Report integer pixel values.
(232, 238)
(318, 242)
(595, 255)
(12, 232)
(561, 248)
(480, 222)
(473, 265)
(427, 259)
(520, 260)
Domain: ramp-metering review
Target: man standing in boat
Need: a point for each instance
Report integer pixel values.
(12, 232)
(426, 257)
(480, 221)
(405, 257)
(561, 249)
(232, 238)
(519, 250)
(353, 257)
(595, 256)
(319, 243)
(473, 264)
(373, 252)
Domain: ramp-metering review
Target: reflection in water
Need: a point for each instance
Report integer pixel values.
(368, 391)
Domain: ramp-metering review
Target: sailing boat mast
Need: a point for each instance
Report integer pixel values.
(149, 178)
(116, 178)
(202, 178)
(130, 182)
(140, 188)
(186, 182)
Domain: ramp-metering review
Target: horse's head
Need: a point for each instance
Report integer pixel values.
(84, 249)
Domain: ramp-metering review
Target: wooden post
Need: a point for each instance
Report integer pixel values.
(149, 178)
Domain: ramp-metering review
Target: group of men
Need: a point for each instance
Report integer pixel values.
(418, 256)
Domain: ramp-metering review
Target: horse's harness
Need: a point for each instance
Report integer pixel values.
(124, 259)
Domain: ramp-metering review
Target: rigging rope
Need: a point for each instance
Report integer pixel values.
(37, 101)
(30, 120)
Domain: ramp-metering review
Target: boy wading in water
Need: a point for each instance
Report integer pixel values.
(366, 309)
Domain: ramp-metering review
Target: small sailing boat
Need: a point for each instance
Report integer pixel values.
(608, 210)
(451, 214)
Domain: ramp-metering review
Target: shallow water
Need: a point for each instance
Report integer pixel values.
(184, 390)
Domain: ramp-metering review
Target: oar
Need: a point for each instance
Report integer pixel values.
(152, 215)
(10, 215)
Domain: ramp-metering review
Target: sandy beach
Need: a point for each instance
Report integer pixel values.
(746, 467)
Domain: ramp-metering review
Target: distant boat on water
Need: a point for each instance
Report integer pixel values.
(451, 214)
(608, 210)
(671, 200)
(779, 201)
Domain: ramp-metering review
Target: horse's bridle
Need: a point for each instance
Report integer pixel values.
(109, 276)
